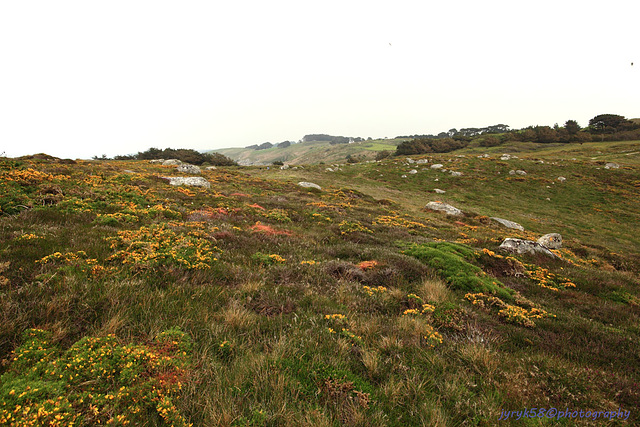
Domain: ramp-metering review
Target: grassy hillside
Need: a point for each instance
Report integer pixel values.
(125, 300)
(310, 152)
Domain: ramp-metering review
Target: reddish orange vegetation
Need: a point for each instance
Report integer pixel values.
(261, 228)
(256, 206)
(367, 265)
(239, 195)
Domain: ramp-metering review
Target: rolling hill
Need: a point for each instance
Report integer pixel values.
(309, 152)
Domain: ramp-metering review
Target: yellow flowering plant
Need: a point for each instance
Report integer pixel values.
(96, 381)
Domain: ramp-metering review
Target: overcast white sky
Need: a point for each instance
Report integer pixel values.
(85, 78)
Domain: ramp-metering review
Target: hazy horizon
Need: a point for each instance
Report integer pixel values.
(83, 79)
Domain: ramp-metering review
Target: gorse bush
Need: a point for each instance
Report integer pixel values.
(96, 381)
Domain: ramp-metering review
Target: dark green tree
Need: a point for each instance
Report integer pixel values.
(572, 127)
(610, 123)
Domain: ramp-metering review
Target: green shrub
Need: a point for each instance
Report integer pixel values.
(451, 262)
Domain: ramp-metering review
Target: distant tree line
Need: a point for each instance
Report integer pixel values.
(464, 132)
(267, 145)
(183, 154)
(603, 127)
(331, 139)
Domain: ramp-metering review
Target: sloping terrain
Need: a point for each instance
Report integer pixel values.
(310, 152)
(126, 300)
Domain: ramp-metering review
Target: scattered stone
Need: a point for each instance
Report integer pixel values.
(211, 168)
(413, 171)
(422, 161)
(284, 167)
(309, 185)
(508, 224)
(454, 173)
(171, 162)
(156, 161)
(439, 191)
(187, 168)
(521, 172)
(129, 171)
(436, 180)
(611, 165)
(190, 181)
(437, 166)
(562, 179)
(512, 172)
(410, 161)
(444, 207)
(403, 176)
(329, 170)
(505, 157)
(521, 246)
(551, 240)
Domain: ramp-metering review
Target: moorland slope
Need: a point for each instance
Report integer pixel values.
(256, 301)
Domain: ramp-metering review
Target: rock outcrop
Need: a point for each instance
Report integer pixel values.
(187, 168)
(521, 246)
(190, 181)
(444, 207)
(309, 185)
(508, 224)
(172, 162)
(551, 240)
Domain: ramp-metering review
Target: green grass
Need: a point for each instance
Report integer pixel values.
(347, 306)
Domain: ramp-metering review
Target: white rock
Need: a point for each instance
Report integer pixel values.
(156, 161)
(309, 185)
(284, 167)
(562, 179)
(444, 207)
(454, 173)
(508, 224)
(439, 191)
(521, 172)
(329, 170)
(413, 171)
(521, 246)
(611, 165)
(171, 162)
(422, 161)
(437, 166)
(403, 176)
(512, 172)
(211, 168)
(551, 240)
(187, 168)
(190, 181)
(410, 161)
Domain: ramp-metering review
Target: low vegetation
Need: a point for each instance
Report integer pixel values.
(127, 301)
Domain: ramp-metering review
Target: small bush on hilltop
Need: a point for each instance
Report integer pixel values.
(427, 145)
(186, 155)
